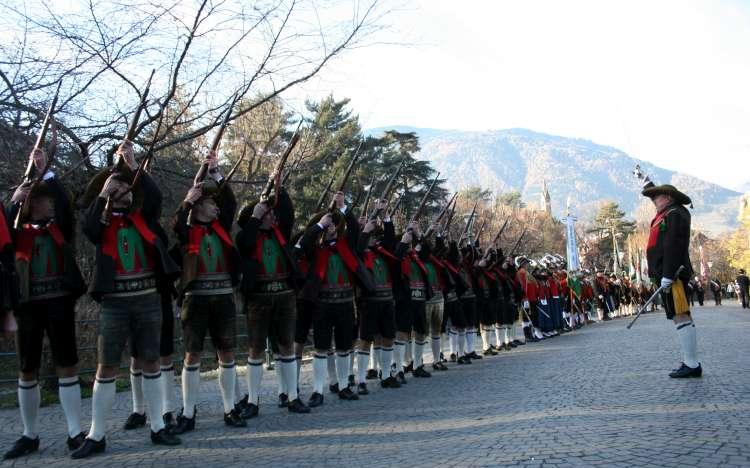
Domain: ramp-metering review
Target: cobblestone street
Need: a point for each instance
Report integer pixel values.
(599, 396)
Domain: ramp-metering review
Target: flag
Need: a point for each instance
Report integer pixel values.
(571, 245)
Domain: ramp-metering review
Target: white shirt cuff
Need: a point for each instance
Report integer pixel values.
(322, 228)
(48, 175)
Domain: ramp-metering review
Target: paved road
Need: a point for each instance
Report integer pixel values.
(596, 397)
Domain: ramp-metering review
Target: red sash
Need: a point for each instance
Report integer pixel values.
(653, 234)
(450, 267)
(25, 239)
(342, 247)
(197, 232)
(109, 244)
(5, 238)
(406, 267)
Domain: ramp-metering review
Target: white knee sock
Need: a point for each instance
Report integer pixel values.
(386, 357)
(418, 353)
(101, 407)
(254, 379)
(470, 336)
(29, 398)
(342, 369)
(167, 388)
(363, 358)
(506, 335)
(298, 369)
(408, 352)
(69, 391)
(461, 343)
(153, 396)
(485, 338)
(435, 346)
(191, 382)
(375, 357)
(452, 344)
(136, 391)
(498, 335)
(331, 366)
(351, 363)
(288, 374)
(320, 372)
(399, 348)
(280, 383)
(237, 390)
(688, 343)
(227, 379)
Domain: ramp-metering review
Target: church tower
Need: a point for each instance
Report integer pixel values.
(546, 200)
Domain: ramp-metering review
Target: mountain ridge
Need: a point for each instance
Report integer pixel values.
(590, 173)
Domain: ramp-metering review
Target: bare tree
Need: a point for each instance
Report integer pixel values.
(208, 51)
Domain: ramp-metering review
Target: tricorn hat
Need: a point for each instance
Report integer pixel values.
(667, 189)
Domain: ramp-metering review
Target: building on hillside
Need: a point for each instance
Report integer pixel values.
(545, 202)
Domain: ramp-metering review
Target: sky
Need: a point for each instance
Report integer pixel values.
(665, 81)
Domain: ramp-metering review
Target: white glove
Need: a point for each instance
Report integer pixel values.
(526, 305)
(666, 283)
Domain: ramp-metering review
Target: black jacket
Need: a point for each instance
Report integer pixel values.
(671, 247)
(227, 204)
(73, 281)
(103, 279)
(248, 234)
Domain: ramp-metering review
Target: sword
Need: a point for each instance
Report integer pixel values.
(653, 296)
(543, 312)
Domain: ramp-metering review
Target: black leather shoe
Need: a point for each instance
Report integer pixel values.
(685, 372)
(164, 437)
(410, 367)
(401, 378)
(249, 411)
(474, 355)
(439, 366)
(234, 419)
(333, 388)
(362, 389)
(88, 448)
(390, 382)
(23, 446)
(316, 399)
(463, 360)
(296, 406)
(420, 372)
(169, 421)
(184, 424)
(489, 352)
(372, 374)
(453, 357)
(75, 442)
(351, 382)
(283, 400)
(348, 395)
(134, 421)
(442, 358)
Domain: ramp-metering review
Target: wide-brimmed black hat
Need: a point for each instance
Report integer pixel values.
(667, 189)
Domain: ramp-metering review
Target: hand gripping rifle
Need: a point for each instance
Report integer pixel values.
(200, 176)
(129, 135)
(423, 202)
(347, 174)
(386, 191)
(653, 296)
(440, 217)
(28, 176)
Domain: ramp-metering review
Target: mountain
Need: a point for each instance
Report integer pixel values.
(519, 159)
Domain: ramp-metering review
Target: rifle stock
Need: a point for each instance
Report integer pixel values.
(347, 174)
(423, 202)
(387, 190)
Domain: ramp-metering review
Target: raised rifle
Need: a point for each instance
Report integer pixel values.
(395, 208)
(440, 217)
(274, 179)
(423, 202)
(515, 246)
(28, 177)
(129, 136)
(387, 190)
(200, 176)
(368, 196)
(347, 174)
(322, 199)
(469, 222)
(449, 220)
(497, 237)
